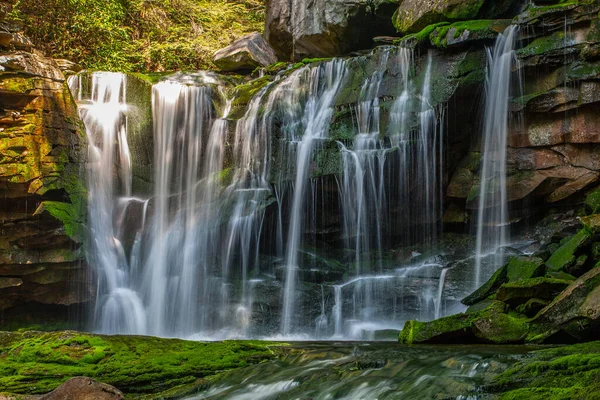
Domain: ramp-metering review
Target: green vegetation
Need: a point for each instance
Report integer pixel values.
(137, 35)
(571, 372)
(35, 362)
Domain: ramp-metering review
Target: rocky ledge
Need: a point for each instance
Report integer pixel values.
(42, 276)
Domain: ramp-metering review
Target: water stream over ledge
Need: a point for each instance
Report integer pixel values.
(354, 371)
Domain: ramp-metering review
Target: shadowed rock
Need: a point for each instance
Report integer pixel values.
(249, 52)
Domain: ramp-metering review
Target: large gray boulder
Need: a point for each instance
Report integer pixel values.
(297, 29)
(249, 52)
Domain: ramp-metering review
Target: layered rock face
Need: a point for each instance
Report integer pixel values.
(41, 271)
(553, 143)
(298, 28)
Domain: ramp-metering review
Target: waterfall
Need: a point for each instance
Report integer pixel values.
(492, 218)
(118, 308)
(324, 83)
(224, 231)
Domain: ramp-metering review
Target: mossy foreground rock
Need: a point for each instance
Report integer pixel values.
(491, 325)
(570, 372)
(37, 363)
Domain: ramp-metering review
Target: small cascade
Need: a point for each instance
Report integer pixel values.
(323, 84)
(104, 112)
(492, 218)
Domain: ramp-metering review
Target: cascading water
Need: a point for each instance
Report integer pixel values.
(197, 265)
(492, 218)
(324, 84)
(119, 308)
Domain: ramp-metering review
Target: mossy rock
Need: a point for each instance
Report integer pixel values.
(532, 307)
(564, 256)
(490, 325)
(569, 372)
(521, 268)
(36, 362)
(519, 292)
(488, 288)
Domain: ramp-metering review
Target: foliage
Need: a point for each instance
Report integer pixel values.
(137, 35)
(35, 362)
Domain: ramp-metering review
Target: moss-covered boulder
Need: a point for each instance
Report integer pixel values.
(522, 268)
(532, 307)
(565, 255)
(519, 292)
(489, 288)
(491, 325)
(573, 315)
(37, 363)
(567, 372)
(414, 15)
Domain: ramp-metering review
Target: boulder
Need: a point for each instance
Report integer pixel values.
(414, 15)
(81, 388)
(490, 325)
(573, 313)
(532, 307)
(325, 28)
(564, 256)
(517, 293)
(247, 53)
(521, 268)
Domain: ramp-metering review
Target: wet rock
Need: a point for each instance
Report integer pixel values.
(573, 313)
(324, 28)
(247, 53)
(532, 307)
(491, 325)
(564, 256)
(81, 388)
(523, 268)
(488, 288)
(517, 293)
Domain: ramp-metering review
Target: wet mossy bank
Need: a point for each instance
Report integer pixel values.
(33, 363)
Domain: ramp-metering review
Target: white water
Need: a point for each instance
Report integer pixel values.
(492, 218)
(194, 266)
(324, 84)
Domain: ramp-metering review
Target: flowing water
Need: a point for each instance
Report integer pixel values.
(238, 234)
(354, 371)
(492, 219)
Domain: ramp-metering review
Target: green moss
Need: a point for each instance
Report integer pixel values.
(35, 362)
(569, 372)
(592, 201)
(521, 268)
(564, 256)
(544, 44)
(151, 77)
(68, 214)
(488, 288)
(245, 92)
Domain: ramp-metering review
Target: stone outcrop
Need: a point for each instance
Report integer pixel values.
(530, 299)
(246, 53)
(297, 29)
(414, 15)
(552, 156)
(43, 200)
